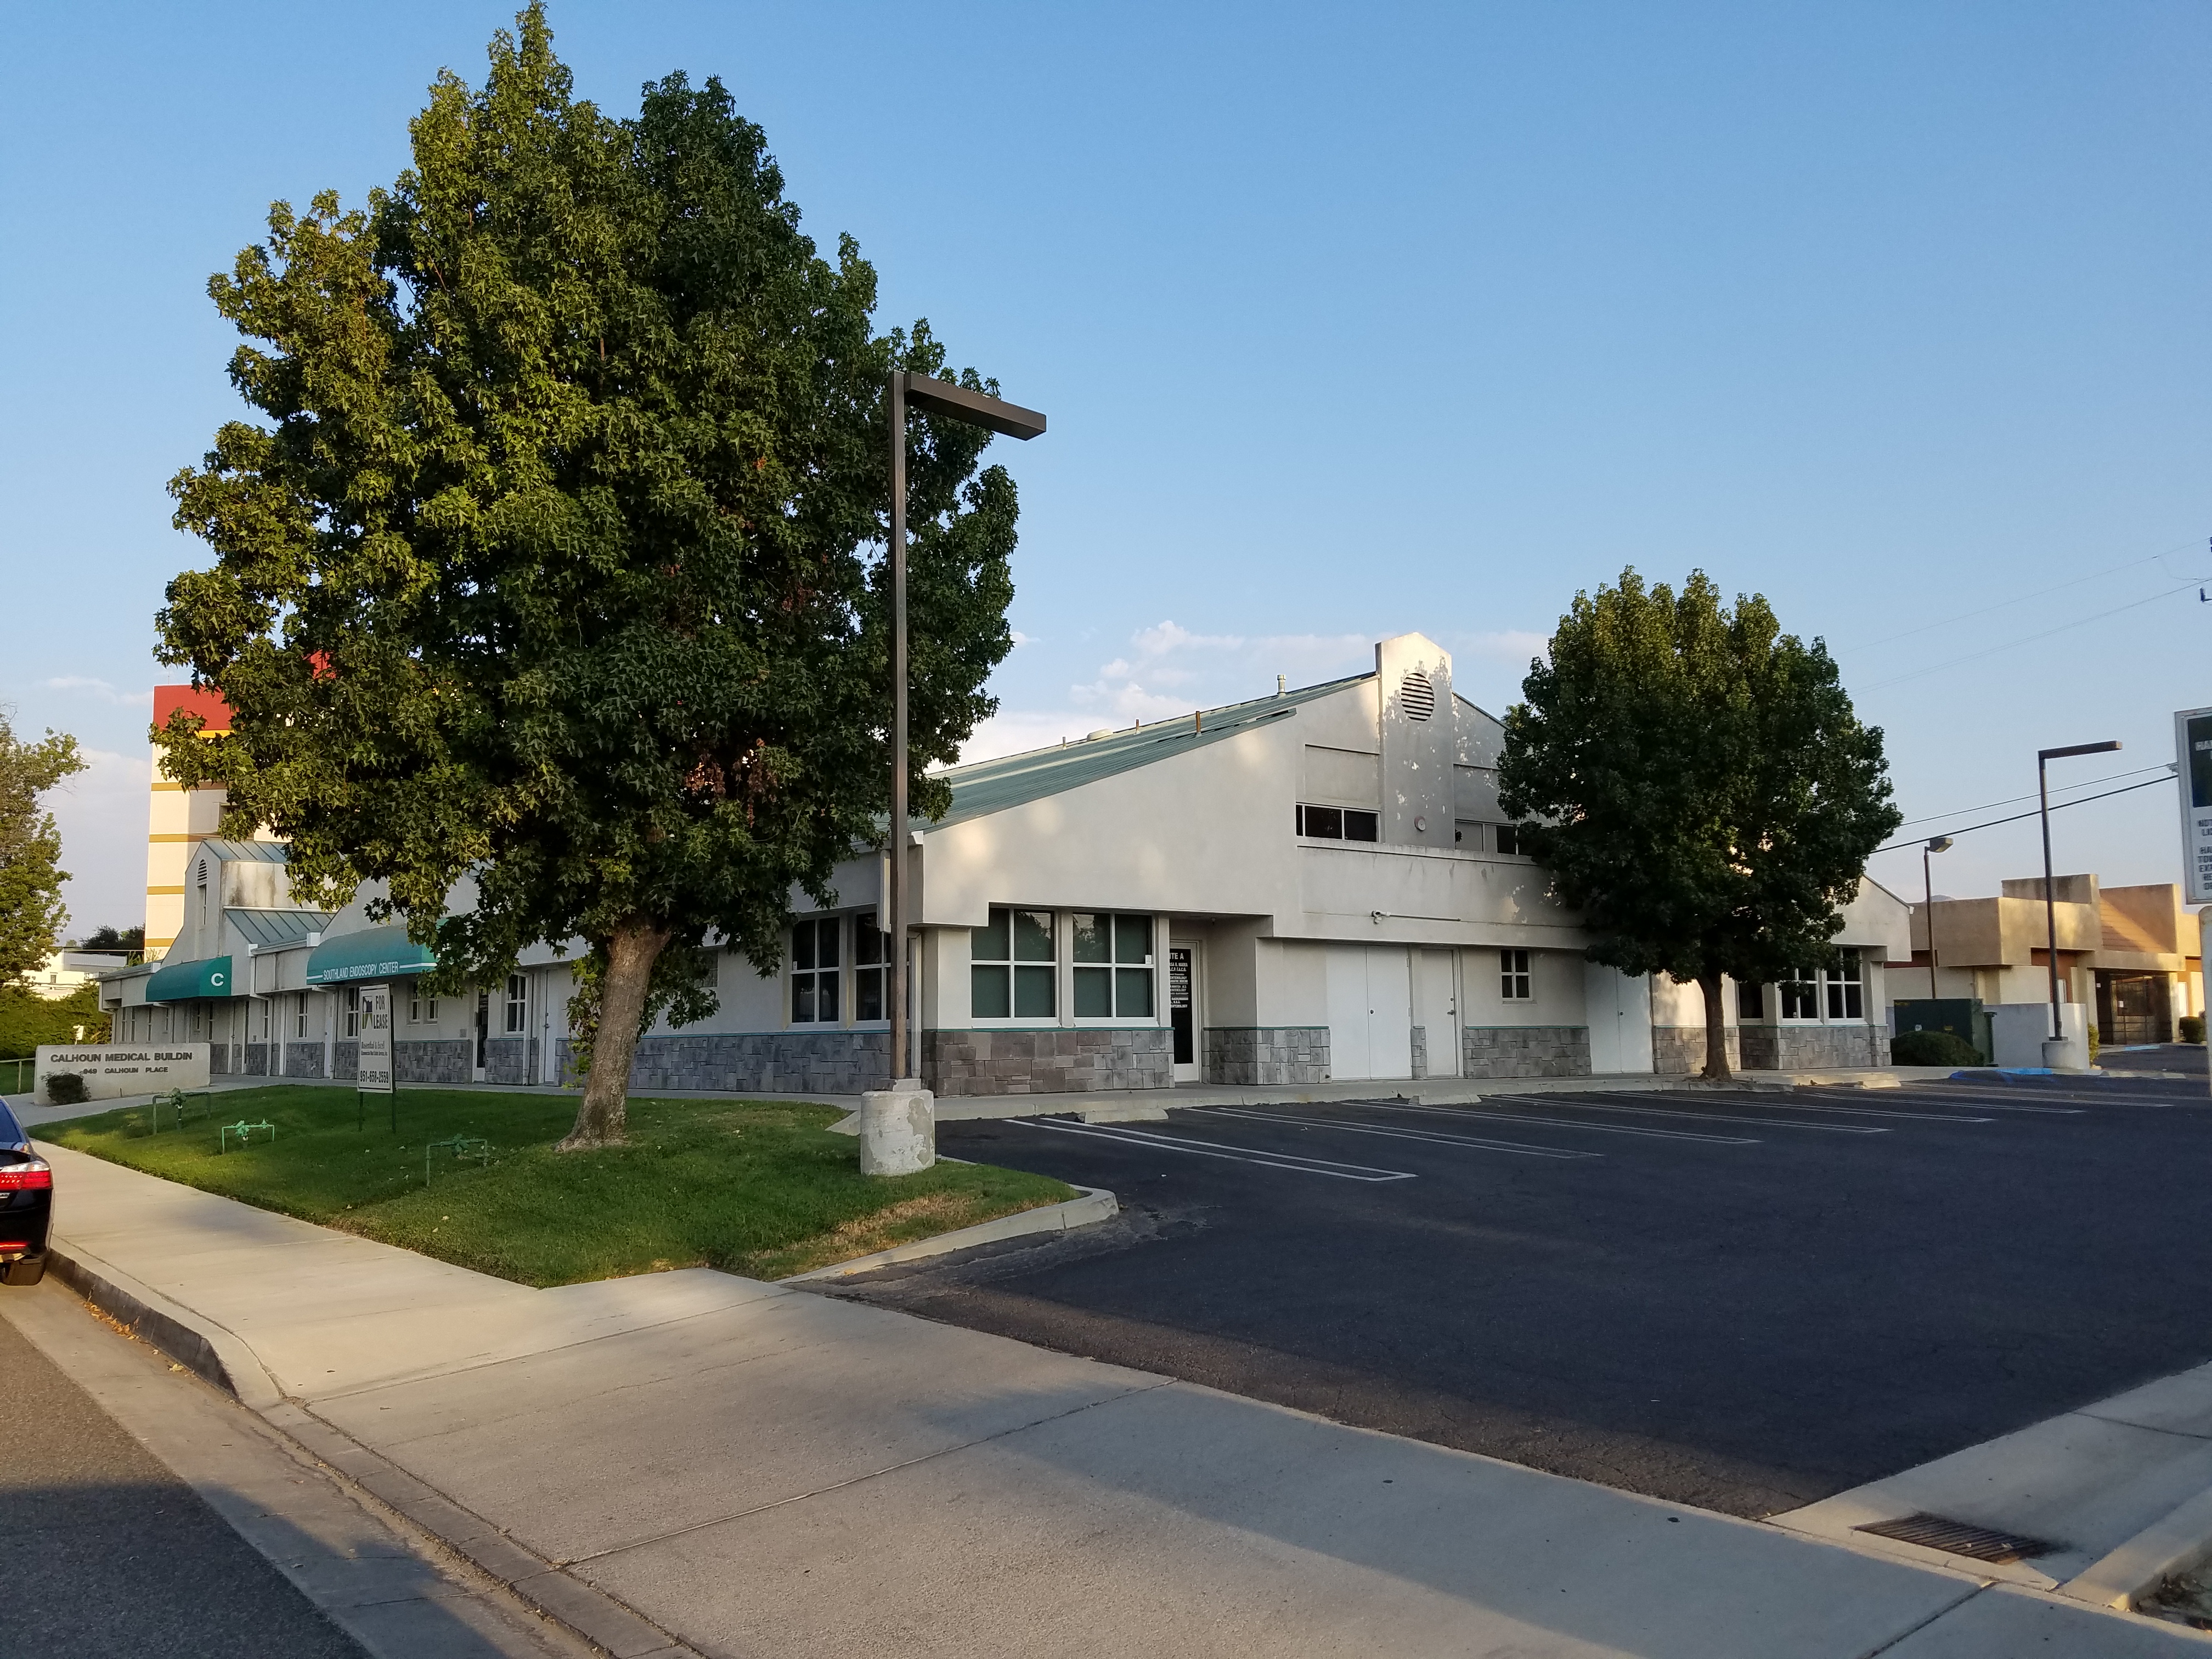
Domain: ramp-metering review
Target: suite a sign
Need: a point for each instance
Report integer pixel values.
(2192, 752)
(112, 1071)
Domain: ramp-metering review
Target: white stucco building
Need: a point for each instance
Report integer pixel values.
(1312, 887)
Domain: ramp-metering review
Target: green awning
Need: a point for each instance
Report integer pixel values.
(183, 981)
(373, 953)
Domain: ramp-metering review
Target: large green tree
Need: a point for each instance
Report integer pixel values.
(1699, 785)
(555, 568)
(31, 876)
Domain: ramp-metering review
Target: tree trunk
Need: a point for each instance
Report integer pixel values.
(1717, 1060)
(636, 945)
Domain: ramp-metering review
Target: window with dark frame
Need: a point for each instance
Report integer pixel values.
(814, 971)
(1801, 997)
(1845, 987)
(1339, 823)
(869, 959)
(1515, 984)
(1013, 965)
(1750, 1001)
(1112, 971)
(1507, 837)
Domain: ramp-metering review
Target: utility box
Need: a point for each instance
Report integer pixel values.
(1964, 1017)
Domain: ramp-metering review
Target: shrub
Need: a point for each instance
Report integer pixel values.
(1933, 1049)
(2192, 1028)
(66, 1089)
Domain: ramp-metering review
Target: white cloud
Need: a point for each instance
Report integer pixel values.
(102, 689)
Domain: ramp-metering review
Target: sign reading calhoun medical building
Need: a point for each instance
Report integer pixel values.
(2192, 752)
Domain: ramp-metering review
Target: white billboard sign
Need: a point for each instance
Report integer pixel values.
(2192, 754)
(112, 1071)
(372, 1073)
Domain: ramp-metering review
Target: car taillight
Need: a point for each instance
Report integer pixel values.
(23, 1177)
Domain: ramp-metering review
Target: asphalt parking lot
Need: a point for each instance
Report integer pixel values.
(1739, 1300)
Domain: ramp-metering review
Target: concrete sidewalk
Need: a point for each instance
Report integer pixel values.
(691, 1462)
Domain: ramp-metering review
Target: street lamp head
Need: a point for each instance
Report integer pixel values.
(1939, 844)
(2076, 749)
(976, 408)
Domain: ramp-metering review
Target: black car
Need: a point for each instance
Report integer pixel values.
(26, 1204)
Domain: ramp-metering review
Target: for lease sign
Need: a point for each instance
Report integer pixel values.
(111, 1071)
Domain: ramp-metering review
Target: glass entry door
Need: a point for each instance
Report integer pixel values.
(1182, 1014)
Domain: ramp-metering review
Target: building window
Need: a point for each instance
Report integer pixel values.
(1339, 823)
(1012, 975)
(814, 971)
(1801, 997)
(868, 967)
(421, 1009)
(1750, 1002)
(518, 1004)
(1113, 969)
(1846, 990)
(1508, 838)
(1515, 983)
(299, 1015)
(352, 1011)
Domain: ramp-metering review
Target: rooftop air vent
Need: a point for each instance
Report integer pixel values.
(1416, 696)
(1102, 732)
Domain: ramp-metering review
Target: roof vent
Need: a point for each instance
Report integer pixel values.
(1102, 732)
(1416, 696)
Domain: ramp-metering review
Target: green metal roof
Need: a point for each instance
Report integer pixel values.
(247, 851)
(273, 929)
(993, 786)
(186, 981)
(372, 953)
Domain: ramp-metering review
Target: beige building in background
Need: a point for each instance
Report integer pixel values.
(2129, 955)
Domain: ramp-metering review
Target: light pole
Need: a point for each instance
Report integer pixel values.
(2043, 759)
(895, 1135)
(1935, 844)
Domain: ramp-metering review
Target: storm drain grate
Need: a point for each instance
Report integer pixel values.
(1935, 1532)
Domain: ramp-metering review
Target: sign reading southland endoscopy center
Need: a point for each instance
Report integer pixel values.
(2192, 753)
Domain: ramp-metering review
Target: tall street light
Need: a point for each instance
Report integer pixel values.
(1935, 844)
(2043, 759)
(1009, 420)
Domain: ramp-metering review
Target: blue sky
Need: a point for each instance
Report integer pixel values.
(1349, 321)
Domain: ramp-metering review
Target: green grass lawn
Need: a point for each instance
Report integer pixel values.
(756, 1187)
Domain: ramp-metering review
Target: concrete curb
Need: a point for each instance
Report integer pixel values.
(202, 1346)
(2173, 1544)
(225, 1360)
(1096, 1205)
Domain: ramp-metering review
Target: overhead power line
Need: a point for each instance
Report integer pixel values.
(2028, 639)
(1991, 824)
(2021, 598)
(2086, 783)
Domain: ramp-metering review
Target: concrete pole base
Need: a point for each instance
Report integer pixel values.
(898, 1129)
(2065, 1054)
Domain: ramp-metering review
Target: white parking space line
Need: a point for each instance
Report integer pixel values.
(1991, 1103)
(1315, 1122)
(1291, 1161)
(1563, 1123)
(1860, 1111)
(1704, 1118)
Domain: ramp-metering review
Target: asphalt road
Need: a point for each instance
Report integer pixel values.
(106, 1554)
(1746, 1301)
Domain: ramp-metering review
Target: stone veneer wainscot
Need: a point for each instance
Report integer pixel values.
(1525, 1051)
(1266, 1055)
(1049, 1061)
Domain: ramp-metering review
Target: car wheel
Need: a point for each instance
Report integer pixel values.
(26, 1272)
